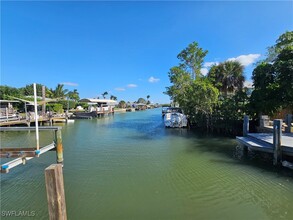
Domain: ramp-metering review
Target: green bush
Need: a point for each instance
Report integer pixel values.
(58, 108)
(67, 104)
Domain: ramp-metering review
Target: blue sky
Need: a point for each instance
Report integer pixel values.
(127, 48)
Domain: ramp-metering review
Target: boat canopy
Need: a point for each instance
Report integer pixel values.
(100, 101)
(9, 101)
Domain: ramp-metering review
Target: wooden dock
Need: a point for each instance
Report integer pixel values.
(277, 142)
(28, 123)
(264, 142)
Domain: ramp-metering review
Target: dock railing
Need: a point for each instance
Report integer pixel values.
(266, 125)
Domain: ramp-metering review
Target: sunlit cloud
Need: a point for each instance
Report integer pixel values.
(69, 84)
(248, 84)
(119, 89)
(131, 85)
(153, 79)
(209, 64)
(245, 60)
(204, 71)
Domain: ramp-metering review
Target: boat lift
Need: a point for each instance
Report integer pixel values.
(25, 154)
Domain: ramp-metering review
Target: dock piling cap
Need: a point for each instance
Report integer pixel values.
(4, 167)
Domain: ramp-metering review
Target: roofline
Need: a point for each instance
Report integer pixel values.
(7, 101)
(97, 100)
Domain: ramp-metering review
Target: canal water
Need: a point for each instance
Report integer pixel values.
(130, 167)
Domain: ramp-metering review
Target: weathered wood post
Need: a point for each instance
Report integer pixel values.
(245, 132)
(288, 123)
(6, 112)
(44, 101)
(59, 147)
(245, 125)
(277, 137)
(55, 192)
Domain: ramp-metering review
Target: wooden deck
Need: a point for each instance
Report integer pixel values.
(22, 122)
(28, 123)
(264, 142)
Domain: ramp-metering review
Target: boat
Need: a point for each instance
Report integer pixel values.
(85, 115)
(96, 108)
(170, 110)
(174, 118)
(164, 111)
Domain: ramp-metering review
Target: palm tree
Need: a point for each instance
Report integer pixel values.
(227, 76)
(73, 95)
(59, 92)
(104, 94)
(112, 97)
(148, 96)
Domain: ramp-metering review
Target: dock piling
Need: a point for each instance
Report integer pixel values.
(55, 192)
(288, 123)
(277, 136)
(245, 125)
(59, 147)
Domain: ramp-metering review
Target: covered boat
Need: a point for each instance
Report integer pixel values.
(174, 118)
(97, 107)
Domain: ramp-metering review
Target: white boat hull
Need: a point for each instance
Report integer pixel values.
(175, 120)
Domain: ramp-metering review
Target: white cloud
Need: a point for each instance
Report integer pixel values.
(153, 79)
(248, 84)
(131, 85)
(120, 89)
(209, 64)
(69, 84)
(204, 71)
(245, 60)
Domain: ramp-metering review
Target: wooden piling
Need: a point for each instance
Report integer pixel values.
(277, 137)
(55, 192)
(44, 100)
(245, 125)
(288, 123)
(59, 147)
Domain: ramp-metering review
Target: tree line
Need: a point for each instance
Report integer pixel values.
(219, 100)
(24, 92)
(124, 104)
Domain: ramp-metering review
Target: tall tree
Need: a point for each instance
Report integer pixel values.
(73, 95)
(6, 91)
(284, 40)
(148, 101)
(180, 81)
(263, 75)
(262, 99)
(273, 78)
(59, 92)
(227, 76)
(284, 76)
(28, 90)
(192, 58)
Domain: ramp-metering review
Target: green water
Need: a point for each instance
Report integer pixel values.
(130, 167)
